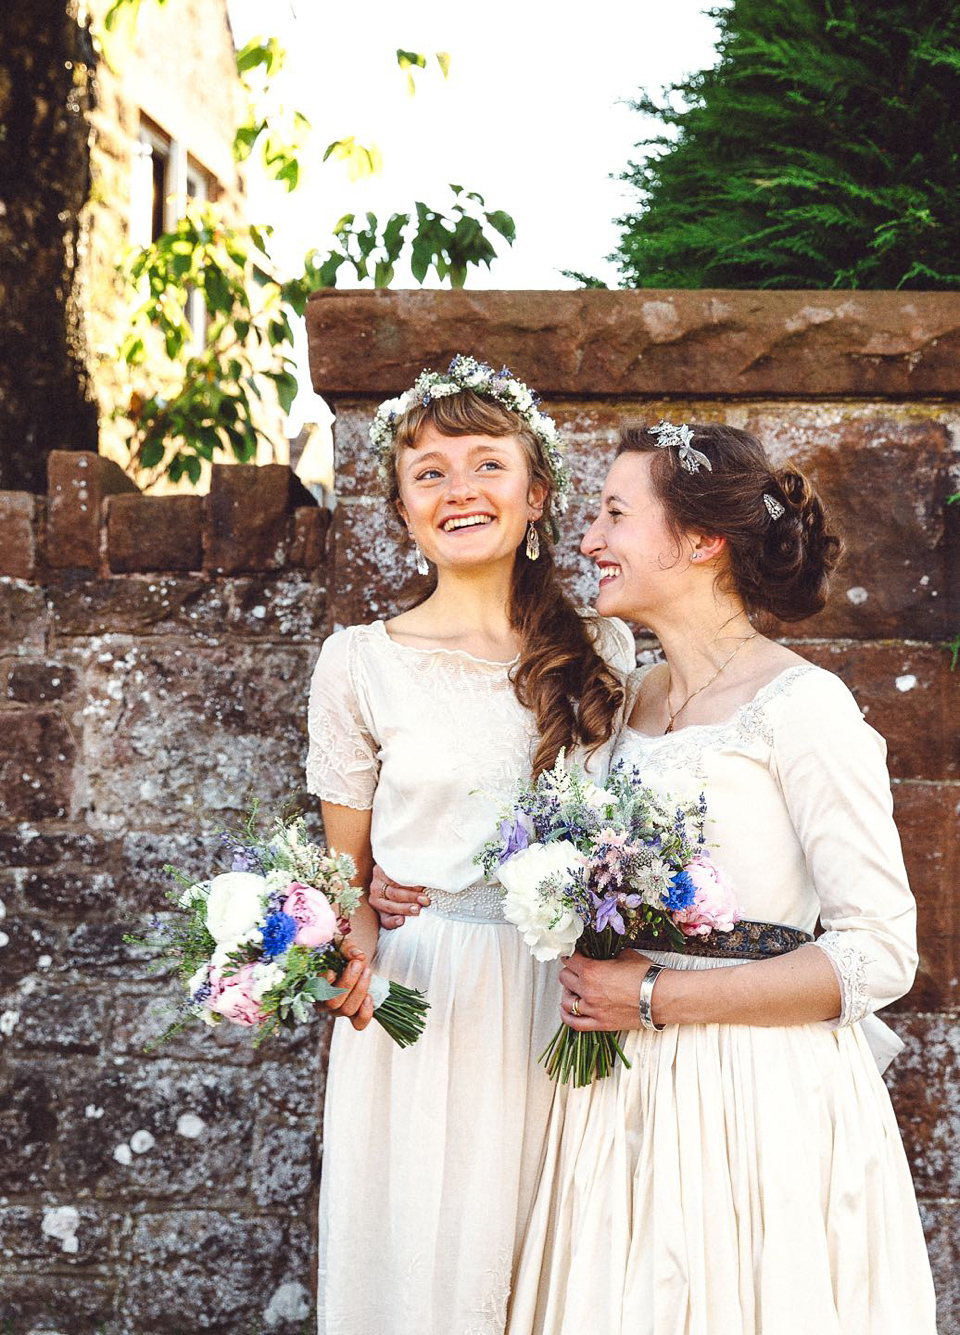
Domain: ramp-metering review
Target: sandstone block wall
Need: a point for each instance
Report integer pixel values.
(154, 659)
(863, 391)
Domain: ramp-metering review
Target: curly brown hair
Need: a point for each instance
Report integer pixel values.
(780, 566)
(560, 677)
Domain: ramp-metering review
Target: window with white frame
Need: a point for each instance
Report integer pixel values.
(166, 180)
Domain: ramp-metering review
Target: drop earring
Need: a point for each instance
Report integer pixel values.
(533, 542)
(422, 566)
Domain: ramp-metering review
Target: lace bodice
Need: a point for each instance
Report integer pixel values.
(800, 817)
(433, 740)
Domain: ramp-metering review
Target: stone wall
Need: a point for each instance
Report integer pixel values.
(154, 658)
(862, 390)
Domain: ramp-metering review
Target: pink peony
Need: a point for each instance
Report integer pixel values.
(315, 919)
(232, 996)
(714, 908)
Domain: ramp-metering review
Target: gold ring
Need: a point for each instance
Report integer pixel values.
(576, 1007)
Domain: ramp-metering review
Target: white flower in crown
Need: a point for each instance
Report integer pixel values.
(469, 373)
(669, 435)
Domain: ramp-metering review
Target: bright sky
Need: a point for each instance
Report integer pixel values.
(532, 116)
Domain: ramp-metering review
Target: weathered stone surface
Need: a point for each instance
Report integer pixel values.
(373, 575)
(248, 513)
(154, 533)
(23, 618)
(291, 608)
(139, 1015)
(64, 1020)
(924, 1083)
(60, 1304)
(909, 694)
(309, 536)
(36, 760)
(284, 1164)
(59, 1233)
(169, 734)
(941, 1223)
(152, 1097)
(29, 1127)
(77, 485)
(212, 1265)
(19, 511)
(134, 606)
(35, 683)
(31, 947)
(643, 342)
(928, 817)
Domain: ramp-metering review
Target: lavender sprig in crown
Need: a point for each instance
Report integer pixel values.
(468, 373)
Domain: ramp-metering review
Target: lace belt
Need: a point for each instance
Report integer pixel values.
(477, 903)
(748, 941)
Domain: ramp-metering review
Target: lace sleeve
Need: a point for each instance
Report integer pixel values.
(613, 641)
(834, 778)
(342, 764)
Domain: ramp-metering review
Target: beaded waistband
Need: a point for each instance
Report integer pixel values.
(749, 940)
(477, 903)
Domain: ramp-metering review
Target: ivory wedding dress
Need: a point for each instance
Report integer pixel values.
(430, 1153)
(740, 1180)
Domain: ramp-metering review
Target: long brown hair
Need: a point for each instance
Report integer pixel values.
(573, 695)
(777, 565)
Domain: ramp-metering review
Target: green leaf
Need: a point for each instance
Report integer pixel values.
(408, 59)
(151, 453)
(503, 223)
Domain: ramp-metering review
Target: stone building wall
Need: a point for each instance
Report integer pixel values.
(154, 660)
(863, 391)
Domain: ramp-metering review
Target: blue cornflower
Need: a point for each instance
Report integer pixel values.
(683, 894)
(278, 933)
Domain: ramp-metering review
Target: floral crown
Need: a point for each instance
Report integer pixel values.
(467, 373)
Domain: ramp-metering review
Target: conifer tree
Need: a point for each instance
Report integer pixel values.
(822, 151)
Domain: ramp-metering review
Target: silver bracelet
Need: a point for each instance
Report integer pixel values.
(646, 997)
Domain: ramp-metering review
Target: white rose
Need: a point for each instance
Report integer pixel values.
(547, 925)
(234, 907)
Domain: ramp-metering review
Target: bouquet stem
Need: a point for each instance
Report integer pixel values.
(402, 1013)
(586, 1056)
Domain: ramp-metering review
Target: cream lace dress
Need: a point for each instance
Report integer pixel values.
(430, 1154)
(742, 1180)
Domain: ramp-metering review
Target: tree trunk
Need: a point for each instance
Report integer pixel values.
(46, 91)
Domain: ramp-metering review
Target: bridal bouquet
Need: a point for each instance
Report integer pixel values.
(255, 944)
(596, 868)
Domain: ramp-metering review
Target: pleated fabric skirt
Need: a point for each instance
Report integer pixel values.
(736, 1180)
(430, 1154)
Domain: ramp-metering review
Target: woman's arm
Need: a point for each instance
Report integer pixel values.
(798, 988)
(348, 831)
(832, 774)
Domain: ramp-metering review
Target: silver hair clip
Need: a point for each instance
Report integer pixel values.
(680, 436)
(774, 509)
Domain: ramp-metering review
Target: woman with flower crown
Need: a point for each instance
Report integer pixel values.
(745, 1174)
(420, 728)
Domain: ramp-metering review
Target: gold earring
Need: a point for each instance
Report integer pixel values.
(533, 542)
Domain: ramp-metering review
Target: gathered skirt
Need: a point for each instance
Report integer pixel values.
(430, 1153)
(736, 1180)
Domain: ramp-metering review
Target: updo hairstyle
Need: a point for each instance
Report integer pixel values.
(559, 676)
(780, 566)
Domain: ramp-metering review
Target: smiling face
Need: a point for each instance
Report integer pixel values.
(467, 500)
(642, 564)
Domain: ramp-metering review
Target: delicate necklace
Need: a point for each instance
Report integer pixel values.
(674, 713)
